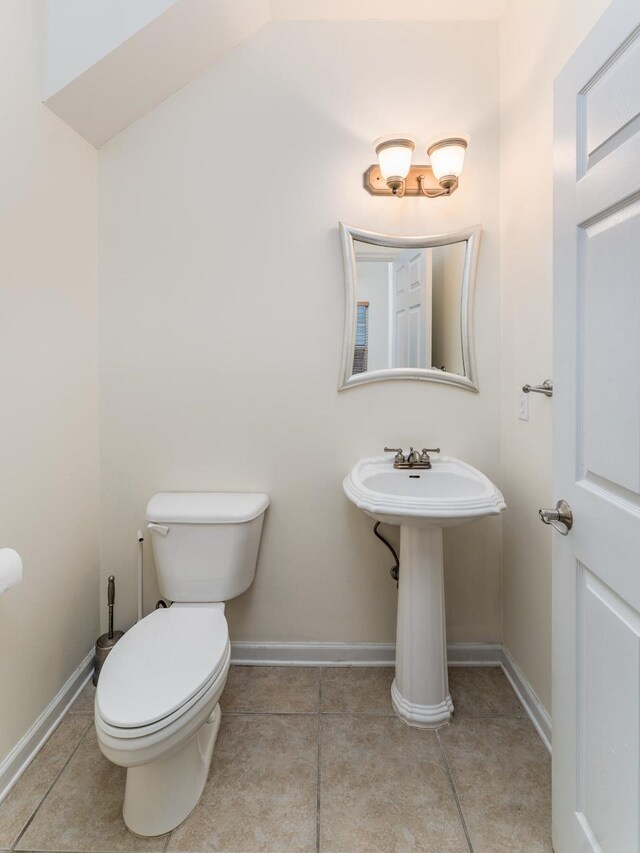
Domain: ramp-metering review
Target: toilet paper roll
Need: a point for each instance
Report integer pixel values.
(10, 569)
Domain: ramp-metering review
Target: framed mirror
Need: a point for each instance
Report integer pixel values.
(409, 307)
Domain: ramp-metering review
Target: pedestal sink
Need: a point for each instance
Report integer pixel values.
(421, 502)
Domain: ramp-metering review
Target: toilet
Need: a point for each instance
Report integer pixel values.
(157, 709)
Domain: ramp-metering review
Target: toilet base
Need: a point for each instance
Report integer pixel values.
(160, 795)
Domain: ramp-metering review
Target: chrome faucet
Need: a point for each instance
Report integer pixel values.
(413, 459)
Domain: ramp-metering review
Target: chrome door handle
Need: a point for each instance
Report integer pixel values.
(546, 388)
(560, 515)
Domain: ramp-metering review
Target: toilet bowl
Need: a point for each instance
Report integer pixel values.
(157, 712)
(157, 709)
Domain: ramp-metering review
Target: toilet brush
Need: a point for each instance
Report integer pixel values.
(107, 641)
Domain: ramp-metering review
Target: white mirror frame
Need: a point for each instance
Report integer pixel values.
(472, 237)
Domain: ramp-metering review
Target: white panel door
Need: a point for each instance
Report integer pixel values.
(411, 311)
(596, 567)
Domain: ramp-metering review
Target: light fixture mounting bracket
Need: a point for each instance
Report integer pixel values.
(420, 181)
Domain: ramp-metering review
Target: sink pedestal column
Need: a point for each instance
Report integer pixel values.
(420, 691)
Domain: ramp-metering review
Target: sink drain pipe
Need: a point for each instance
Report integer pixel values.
(394, 571)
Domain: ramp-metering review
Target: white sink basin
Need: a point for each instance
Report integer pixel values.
(422, 501)
(450, 492)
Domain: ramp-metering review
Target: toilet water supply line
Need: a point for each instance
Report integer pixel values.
(140, 580)
(163, 531)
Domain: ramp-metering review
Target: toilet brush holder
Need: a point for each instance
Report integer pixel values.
(107, 641)
(104, 644)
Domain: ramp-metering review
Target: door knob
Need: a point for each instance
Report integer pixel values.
(561, 515)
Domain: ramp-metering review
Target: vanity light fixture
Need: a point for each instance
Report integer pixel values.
(394, 174)
(394, 162)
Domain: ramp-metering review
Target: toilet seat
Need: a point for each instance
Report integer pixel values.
(162, 668)
(135, 747)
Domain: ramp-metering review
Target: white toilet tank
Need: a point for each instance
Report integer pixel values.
(205, 543)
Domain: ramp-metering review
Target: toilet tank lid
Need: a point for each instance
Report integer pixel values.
(206, 507)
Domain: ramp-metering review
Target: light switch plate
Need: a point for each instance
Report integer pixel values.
(523, 406)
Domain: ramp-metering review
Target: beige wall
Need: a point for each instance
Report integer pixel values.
(48, 384)
(536, 40)
(221, 295)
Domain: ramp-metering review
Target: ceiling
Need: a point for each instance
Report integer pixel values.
(388, 10)
(105, 62)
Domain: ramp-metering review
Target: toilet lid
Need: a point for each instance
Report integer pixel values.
(161, 663)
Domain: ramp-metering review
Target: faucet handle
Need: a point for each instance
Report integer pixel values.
(398, 451)
(424, 456)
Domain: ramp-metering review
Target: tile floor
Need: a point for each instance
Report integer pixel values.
(312, 759)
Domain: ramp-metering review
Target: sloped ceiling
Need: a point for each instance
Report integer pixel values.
(158, 58)
(387, 10)
(108, 62)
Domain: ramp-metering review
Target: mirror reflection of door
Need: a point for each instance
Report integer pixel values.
(411, 311)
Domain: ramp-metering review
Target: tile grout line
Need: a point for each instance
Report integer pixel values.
(382, 714)
(454, 791)
(49, 789)
(270, 713)
(319, 758)
(83, 850)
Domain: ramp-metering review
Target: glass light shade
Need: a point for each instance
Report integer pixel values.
(447, 157)
(394, 157)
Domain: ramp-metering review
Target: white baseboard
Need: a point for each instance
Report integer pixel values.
(383, 654)
(313, 654)
(526, 694)
(352, 654)
(474, 654)
(14, 765)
